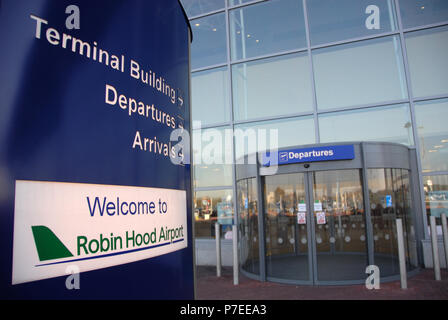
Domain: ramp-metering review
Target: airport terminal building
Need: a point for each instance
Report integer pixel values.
(357, 92)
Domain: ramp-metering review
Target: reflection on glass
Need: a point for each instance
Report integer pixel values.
(272, 87)
(390, 124)
(286, 234)
(212, 157)
(390, 199)
(249, 138)
(197, 7)
(436, 197)
(209, 45)
(340, 230)
(431, 118)
(210, 102)
(428, 63)
(332, 21)
(248, 225)
(237, 2)
(253, 30)
(359, 73)
(420, 12)
(211, 207)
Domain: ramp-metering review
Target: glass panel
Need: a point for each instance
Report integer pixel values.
(436, 197)
(237, 2)
(272, 87)
(359, 73)
(389, 200)
(340, 229)
(197, 7)
(428, 63)
(364, 124)
(211, 207)
(212, 157)
(431, 117)
(420, 12)
(248, 136)
(248, 225)
(286, 227)
(254, 31)
(210, 96)
(209, 44)
(332, 21)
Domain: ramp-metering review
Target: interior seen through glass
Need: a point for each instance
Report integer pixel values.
(316, 227)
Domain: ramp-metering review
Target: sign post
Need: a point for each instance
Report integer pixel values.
(90, 177)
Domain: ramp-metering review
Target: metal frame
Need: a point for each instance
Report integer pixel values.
(367, 155)
(400, 32)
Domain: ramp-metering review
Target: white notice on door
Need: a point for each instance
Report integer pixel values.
(301, 217)
(317, 206)
(320, 217)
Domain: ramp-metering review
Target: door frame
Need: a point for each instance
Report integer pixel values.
(309, 190)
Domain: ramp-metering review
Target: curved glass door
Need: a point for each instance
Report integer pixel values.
(340, 235)
(286, 222)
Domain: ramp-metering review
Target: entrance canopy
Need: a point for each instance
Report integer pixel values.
(322, 214)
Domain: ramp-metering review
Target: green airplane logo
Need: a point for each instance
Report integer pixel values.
(48, 245)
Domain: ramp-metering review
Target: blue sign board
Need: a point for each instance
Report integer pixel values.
(91, 92)
(388, 201)
(313, 154)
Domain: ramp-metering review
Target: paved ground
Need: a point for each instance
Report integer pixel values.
(420, 287)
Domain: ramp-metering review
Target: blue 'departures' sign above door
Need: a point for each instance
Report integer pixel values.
(90, 178)
(314, 154)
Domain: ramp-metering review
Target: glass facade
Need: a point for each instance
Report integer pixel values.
(209, 45)
(323, 71)
(428, 64)
(395, 123)
(251, 36)
(284, 237)
(248, 136)
(390, 199)
(247, 204)
(424, 12)
(431, 117)
(211, 106)
(211, 207)
(436, 196)
(360, 73)
(332, 21)
(271, 76)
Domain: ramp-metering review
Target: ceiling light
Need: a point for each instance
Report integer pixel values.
(214, 29)
(197, 24)
(444, 140)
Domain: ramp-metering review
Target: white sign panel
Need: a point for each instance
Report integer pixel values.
(302, 207)
(320, 217)
(317, 206)
(91, 226)
(301, 217)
